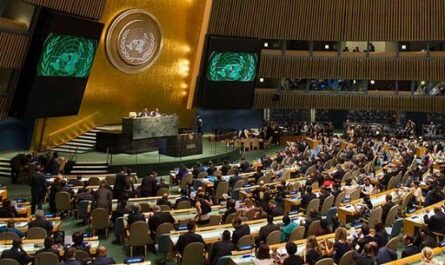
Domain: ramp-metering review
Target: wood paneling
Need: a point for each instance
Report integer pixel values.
(352, 68)
(6, 101)
(353, 20)
(86, 8)
(13, 48)
(263, 99)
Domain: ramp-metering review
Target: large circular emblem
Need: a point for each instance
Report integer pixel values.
(134, 41)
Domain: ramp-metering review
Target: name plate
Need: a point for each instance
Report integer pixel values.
(190, 146)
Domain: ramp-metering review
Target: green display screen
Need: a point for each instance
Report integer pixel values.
(66, 56)
(232, 66)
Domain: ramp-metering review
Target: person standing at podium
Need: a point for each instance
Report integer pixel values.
(199, 124)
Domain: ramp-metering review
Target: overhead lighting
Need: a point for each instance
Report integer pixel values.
(326, 47)
(354, 82)
(261, 80)
(422, 83)
(266, 44)
(403, 47)
(372, 82)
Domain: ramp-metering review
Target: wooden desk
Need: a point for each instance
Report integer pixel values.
(22, 223)
(415, 219)
(3, 193)
(31, 246)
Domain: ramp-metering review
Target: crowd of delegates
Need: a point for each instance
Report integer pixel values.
(310, 129)
(377, 130)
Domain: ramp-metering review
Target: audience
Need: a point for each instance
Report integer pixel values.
(70, 257)
(263, 256)
(17, 253)
(240, 230)
(188, 238)
(102, 258)
(222, 248)
(10, 227)
(40, 221)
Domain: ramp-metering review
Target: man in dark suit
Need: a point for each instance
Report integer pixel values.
(70, 257)
(211, 170)
(164, 200)
(387, 207)
(103, 197)
(366, 239)
(225, 168)
(158, 218)
(121, 183)
(41, 221)
(148, 186)
(274, 209)
(233, 179)
(7, 211)
(266, 230)
(338, 173)
(222, 248)
(16, 253)
(184, 197)
(135, 215)
(240, 230)
(307, 197)
(38, 188)
(102, 258)
(436, 223)
(187, 238)
(48, 243)
(410, 248)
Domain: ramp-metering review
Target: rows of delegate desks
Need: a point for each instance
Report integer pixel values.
(415, 220)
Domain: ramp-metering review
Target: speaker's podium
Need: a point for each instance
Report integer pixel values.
(186, 144)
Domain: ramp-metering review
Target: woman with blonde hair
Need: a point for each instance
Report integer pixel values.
(427, 257)
(341, 245)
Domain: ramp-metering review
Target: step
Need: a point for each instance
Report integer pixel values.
(92, 134)
(67, 150)
(92, 163)
(5, 160)
(5, 174)
(5, 169)
(5, 163)
(86, 137)
(89, 171)
(86, 141)
(94, 130)
(74, 147)
(72, 143)
(93, 167)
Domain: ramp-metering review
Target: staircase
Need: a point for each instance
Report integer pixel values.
(5, 168)
(83, 143)
(89, 168)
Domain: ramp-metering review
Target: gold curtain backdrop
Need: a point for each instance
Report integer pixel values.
(113, 94)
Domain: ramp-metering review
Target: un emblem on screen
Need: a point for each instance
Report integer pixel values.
(134, 41)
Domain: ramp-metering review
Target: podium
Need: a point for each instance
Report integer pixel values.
(181, 145)
(150, 127)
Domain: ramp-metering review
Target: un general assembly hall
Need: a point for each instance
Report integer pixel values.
(222, 132)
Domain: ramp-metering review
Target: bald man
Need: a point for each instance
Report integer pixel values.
(102, 258)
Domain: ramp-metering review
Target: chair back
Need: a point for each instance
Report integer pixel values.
(8, 236)
(81, 255)
(347, 258)
(325, 261)
(311, 169)
(165, 207)
(164, 228)
(184, 205)
(245, 240)
(297, 234)
(94, 181)
(312, 205)
(83, 209)
(145, 207)
(405, 201)
(202, 175)
(230, 217)
(327, 204)
(263, 179)
(9, 262)
(331, 213)
(119, 226)
(376, 217)
(214, 220)
(393, 243)
(110, 180)
(224, 260)
(162, 191)
(396, 228)
(63, 201)
(232, 170)
(223, 187)
(186, 180)
(340, 198)
(394, 181)
(165, 245)
(217, 173)
(313, 227)
(355, 194)
(193, 254)
(391, 217)
(239, 184)
(36, 233)
(139, 234)
(315, 186)
(328, 164)
(250, 214)
(99, 219)
(273, 238)
(46, 258)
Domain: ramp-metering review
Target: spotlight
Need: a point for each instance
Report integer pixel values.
(404, 47)
(326, 47)
(372, 82)
(266, 44)
(422, 83)
(261, 80)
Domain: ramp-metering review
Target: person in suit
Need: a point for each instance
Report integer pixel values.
(387, 207)
(266, 230)
(102, 258)
(103, 197)
(10, 227)
(365, 239)
(79, 243)
(436, 223)
(292, 259)
(164, 200)
(187, 238)
(162, 184)
(211, 169)
(41, 221)
(425, 239)
(121, 183)
(410, 248)
(274, 209)
(225, 167)
(222, 248)
(7, 211)
(38, 188)
(135, 215)
(70, 257)
(230, 209)
(240, 230)
(233, 179)
(307, 197)
(16, 252)
(48, 244)
(159, 217)
(184, 197)
(148, 186)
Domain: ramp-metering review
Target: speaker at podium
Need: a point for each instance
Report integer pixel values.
(185, 144)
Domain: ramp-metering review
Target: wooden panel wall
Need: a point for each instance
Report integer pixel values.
(263, 99)
(86, 8)
(13, 47)
(348, 68)
(354, 20)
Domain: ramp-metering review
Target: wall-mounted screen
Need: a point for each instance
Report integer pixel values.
(67, 56)
(232, 66)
